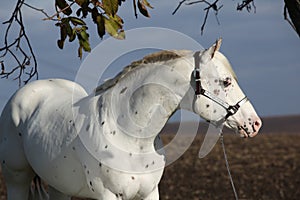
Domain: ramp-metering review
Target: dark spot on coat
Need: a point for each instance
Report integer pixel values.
(84, 166)
(102, 123)
(147, 166)
(105, 146)
(132, 178)
(113, 132)
(73, 148)
(207, 105)
(100, 164)
(87, 127)
(3, 161)
(88, 172)
(65, 157)
(20, 134)
(123, 90)
(107, 170)
(91, 184)
(130, 154)
(136, 112)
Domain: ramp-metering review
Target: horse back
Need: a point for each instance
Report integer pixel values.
(33, 96)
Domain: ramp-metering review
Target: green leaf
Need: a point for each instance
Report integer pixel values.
(60, 43)
(63, 32)
(62, 5)
(80, 52)
(69, 29)
(142, 6)
(95, 14)
(121, 35)
(72, 36)
(100, 25)
(83, 38)
(85, 45)
(110, 6)
(114, 28)
(83, 34)
(82, 3)
(76, 21)
(146, 3)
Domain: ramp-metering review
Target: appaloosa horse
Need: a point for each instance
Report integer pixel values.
(106, 145)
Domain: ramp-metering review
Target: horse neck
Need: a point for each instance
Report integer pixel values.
(143, 101)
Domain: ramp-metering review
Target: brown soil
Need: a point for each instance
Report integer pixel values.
(265, 167)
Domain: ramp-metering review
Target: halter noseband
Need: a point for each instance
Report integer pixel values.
(199, 90)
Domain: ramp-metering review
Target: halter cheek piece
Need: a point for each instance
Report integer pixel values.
(231, 109)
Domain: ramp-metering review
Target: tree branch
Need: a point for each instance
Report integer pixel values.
(15, 47)
(37, 9)
(59, 11)
(179, 5)
(292, 8)
(211, 6)
(246, 4)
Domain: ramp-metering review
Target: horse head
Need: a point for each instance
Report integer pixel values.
(218, 96)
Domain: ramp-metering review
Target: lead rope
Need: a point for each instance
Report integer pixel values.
(228, 168)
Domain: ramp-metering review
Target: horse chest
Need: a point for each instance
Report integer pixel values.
(127, 185)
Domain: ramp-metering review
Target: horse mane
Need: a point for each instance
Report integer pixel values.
(161, 56)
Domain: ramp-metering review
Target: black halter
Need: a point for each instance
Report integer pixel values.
(199, 90)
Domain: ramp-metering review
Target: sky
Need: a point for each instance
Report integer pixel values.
(262, 47)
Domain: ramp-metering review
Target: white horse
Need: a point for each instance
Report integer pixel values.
(106, 145)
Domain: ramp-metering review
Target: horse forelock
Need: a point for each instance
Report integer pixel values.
(161, 56)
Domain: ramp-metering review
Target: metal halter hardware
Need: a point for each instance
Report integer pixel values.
(231, 109)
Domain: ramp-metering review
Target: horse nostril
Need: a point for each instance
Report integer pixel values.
(257, 124)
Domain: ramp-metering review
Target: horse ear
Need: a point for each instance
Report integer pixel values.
(209, 53)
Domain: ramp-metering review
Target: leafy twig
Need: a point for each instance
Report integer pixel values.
(59, 11)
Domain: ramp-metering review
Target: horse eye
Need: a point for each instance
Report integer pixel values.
(227, 82)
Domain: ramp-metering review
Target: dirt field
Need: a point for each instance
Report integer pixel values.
(265, 167)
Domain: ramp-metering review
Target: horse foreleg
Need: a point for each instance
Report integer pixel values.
(57, 195)
(18, 183)
(38, 191)
(154, 195)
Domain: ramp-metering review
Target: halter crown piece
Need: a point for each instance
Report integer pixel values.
(199, 90)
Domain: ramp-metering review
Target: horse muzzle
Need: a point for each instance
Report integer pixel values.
(250, 128)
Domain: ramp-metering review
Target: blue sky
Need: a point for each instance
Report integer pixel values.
(262, 47)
